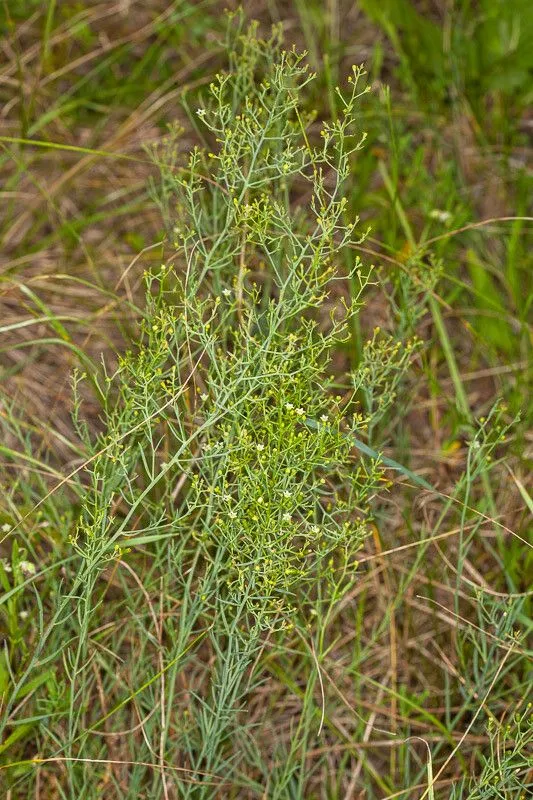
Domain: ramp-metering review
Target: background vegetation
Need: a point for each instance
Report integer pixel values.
(266, 511)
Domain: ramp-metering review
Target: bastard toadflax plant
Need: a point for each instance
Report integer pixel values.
(227, 472)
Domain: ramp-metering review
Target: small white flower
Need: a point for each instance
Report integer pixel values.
(201, 112)
(300, 412)
(232, 514)
(28, 568)
(287, 494)
(441, 216)
(226, 292)
(289, 406)
(6, 565)
(287, 517)
(204, 397)
(260, 447)
(24, 614)
(324, 418)
(6, 527)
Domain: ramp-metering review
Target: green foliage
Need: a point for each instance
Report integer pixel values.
(506, 771)
(185, 615)
(481, 49)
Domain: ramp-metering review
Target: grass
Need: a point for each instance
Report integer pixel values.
(266, 360)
